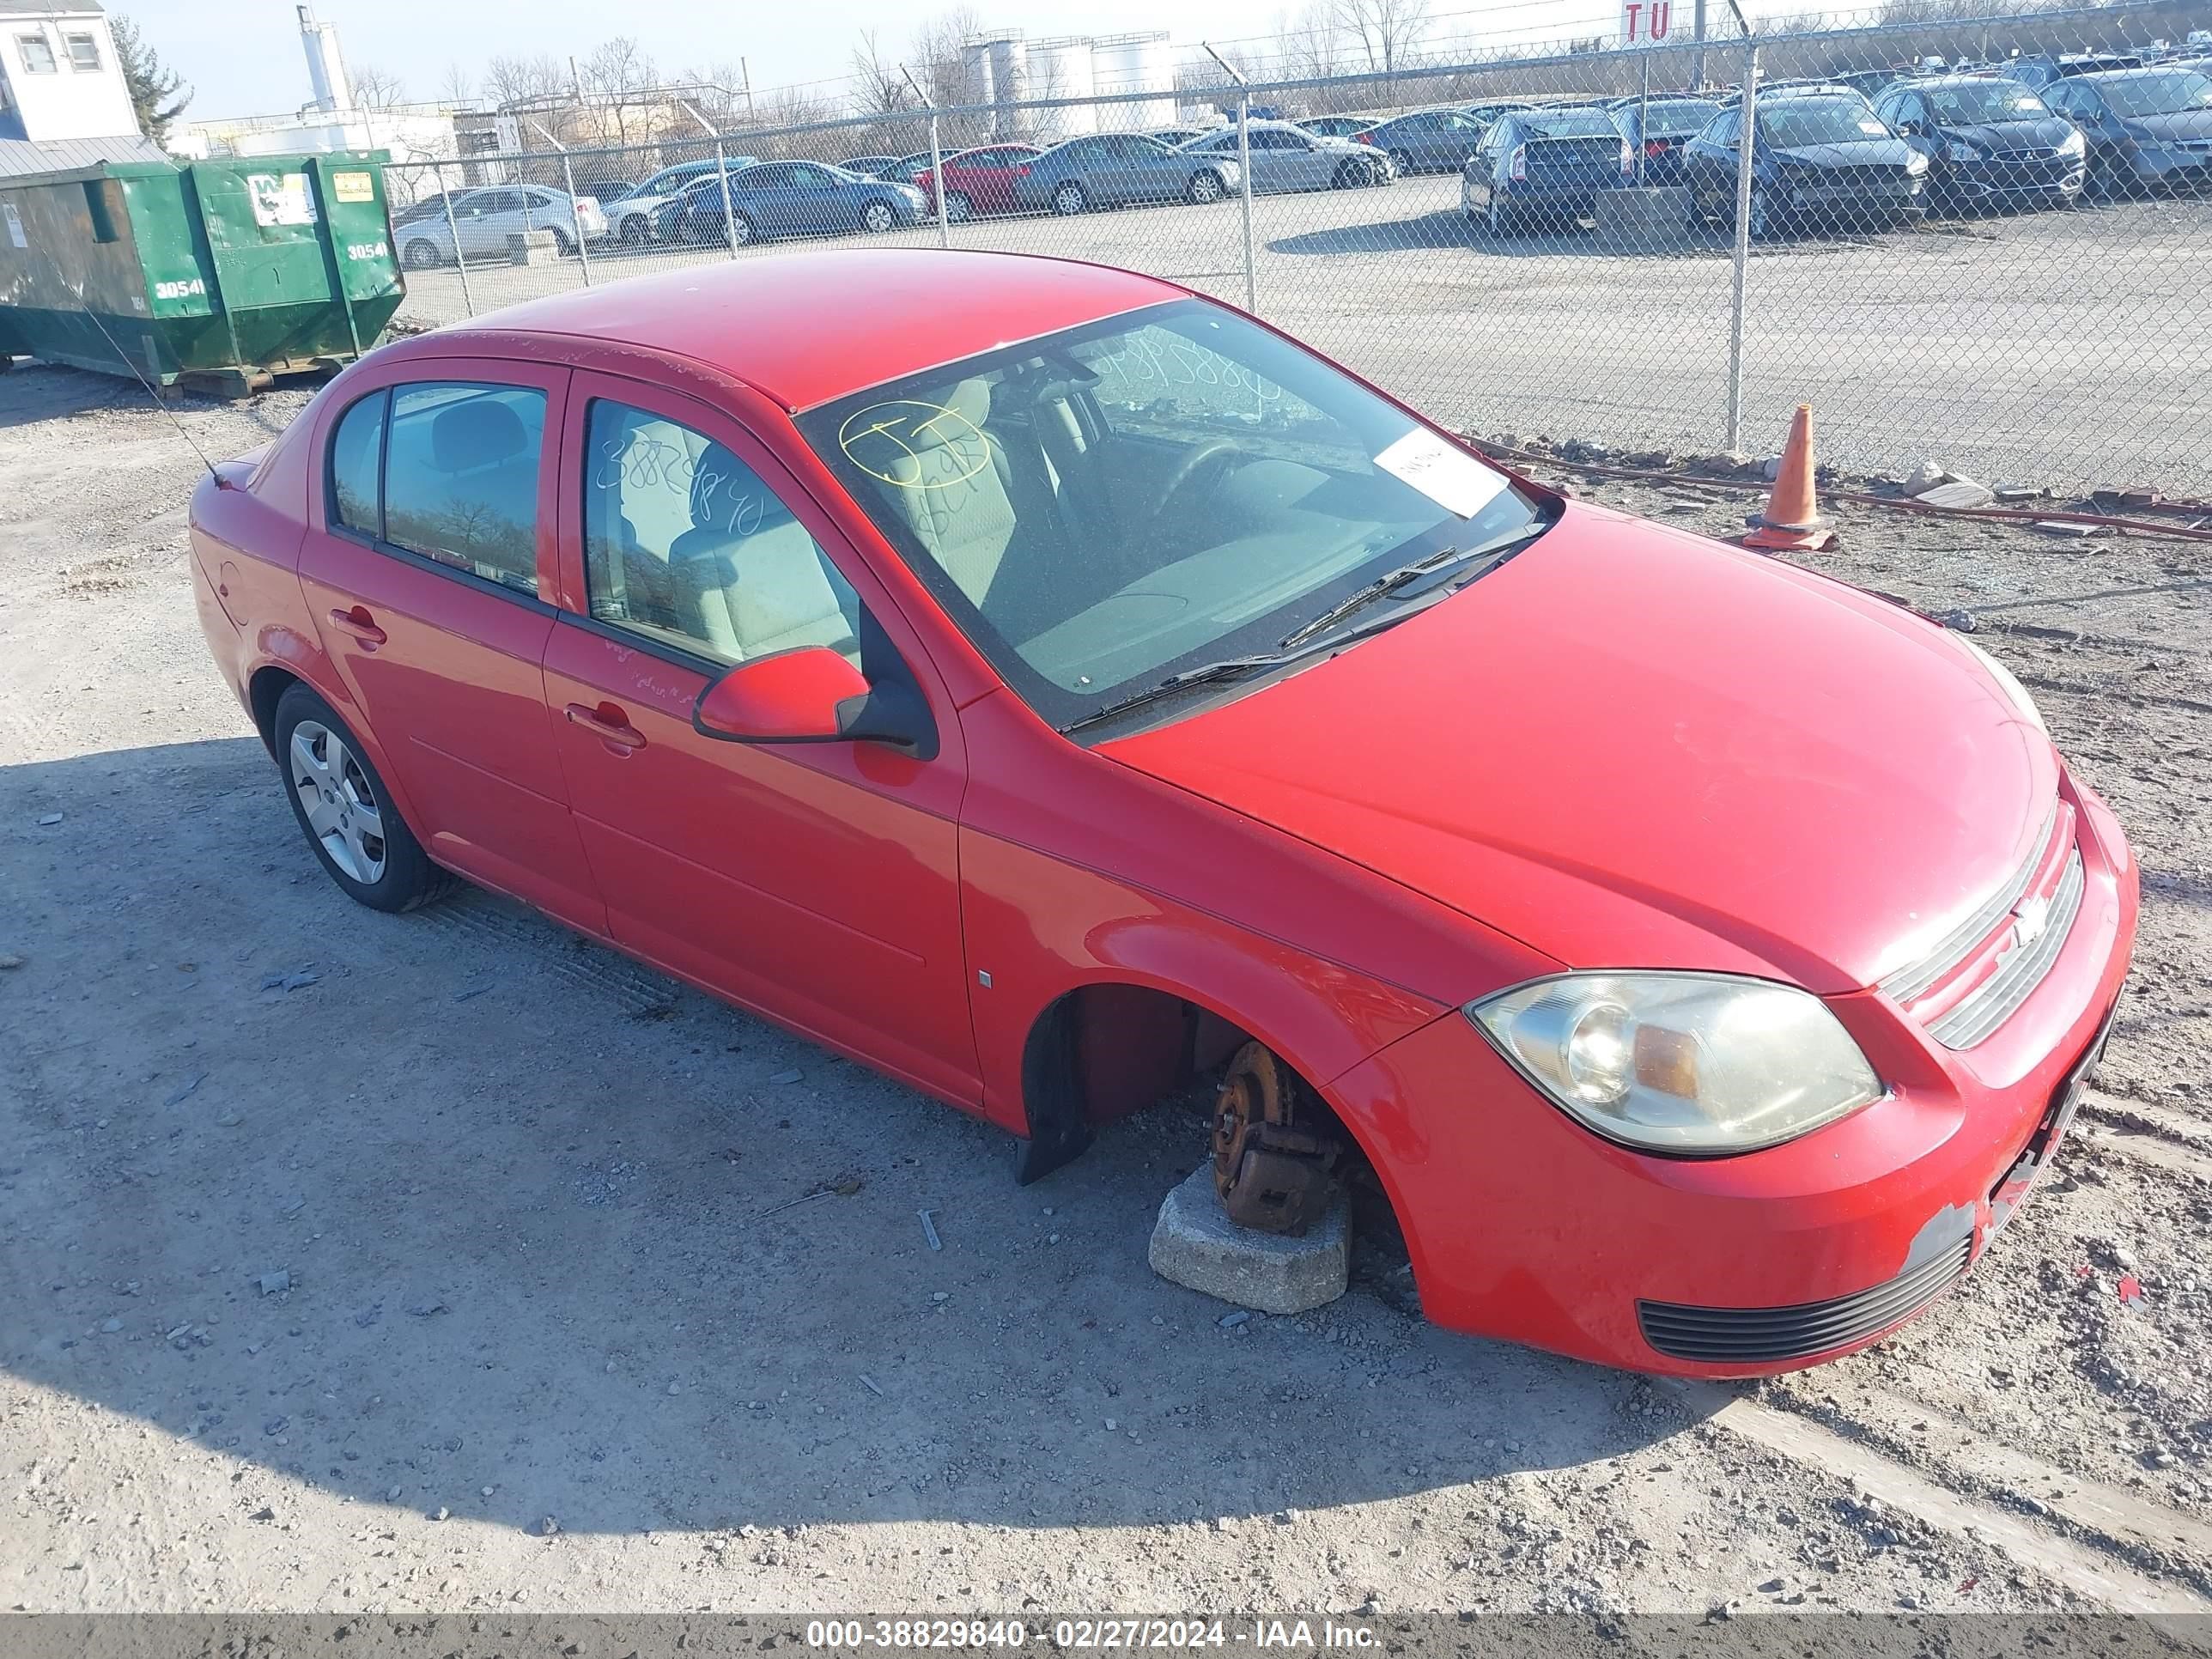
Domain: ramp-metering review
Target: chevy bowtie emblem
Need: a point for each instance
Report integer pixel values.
(2030, 919)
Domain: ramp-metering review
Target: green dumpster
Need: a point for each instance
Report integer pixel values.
(224, 272)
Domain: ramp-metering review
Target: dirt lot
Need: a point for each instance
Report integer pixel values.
(549, 1340)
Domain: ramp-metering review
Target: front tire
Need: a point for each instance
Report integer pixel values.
(345, 812)
(421, 255)
(878, 217)
(958, 210)
(634, 231)
(1205, 188)
(1070, 197)
(1402, 161)
(742, 230)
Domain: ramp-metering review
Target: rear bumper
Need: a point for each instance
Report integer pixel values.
(1524, 1226)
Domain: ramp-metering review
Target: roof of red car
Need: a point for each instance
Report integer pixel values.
(804, 328)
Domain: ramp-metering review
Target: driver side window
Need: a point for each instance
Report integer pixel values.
(683, 543)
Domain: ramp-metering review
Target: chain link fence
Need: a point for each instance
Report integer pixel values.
(1986, 241)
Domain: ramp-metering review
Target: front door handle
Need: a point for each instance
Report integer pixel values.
(360, 624)
(609, 724)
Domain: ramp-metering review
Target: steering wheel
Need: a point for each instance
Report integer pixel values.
(1200, 458)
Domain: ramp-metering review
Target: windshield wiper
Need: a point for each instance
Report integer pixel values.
(1229, 668)
(1388, 582)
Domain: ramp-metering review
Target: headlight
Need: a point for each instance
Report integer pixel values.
(2073, 145)
(1696, 1063)
(1959, 151)
(2012, 688)
(1916, 163)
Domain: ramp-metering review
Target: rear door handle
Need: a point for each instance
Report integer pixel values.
(358, 622)
(609, 724)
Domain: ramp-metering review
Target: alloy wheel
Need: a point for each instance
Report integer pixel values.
(878, 216)
(957, 207)
(341, 807)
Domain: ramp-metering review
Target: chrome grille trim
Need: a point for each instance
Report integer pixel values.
(1914, 979)
(1994, 1003)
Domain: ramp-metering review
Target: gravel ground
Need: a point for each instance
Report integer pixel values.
(1973, 337)
(350, 1262)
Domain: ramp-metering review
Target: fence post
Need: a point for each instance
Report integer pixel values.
(1743, 159)
(453, 229)
(1244, 167)
(576, 217)
(937, 184)
(729, 213)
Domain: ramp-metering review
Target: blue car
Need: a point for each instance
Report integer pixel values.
(1545, 164)
(789, 198)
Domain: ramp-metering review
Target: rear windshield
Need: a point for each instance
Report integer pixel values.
(1791, 124)
(1982, 101)
(1675, 119)
(1572, 123)
(2167, 93)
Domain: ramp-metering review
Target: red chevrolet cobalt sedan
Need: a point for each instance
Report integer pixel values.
(1049, 686)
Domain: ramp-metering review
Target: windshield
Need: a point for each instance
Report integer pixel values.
(1793, 123)
(1676, 120)
(1570, 124)
(1978, 103)
(2157, 94)
(1157, 491)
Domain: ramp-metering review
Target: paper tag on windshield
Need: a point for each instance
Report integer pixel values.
(1447, 475)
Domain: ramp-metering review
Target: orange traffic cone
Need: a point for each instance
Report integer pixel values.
(1791, 520)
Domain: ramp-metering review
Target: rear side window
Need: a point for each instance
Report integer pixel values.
(357, 467)
(460, 480)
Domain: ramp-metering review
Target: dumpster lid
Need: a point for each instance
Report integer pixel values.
(23, 160)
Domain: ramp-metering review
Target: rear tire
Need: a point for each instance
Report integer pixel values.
(421, 255)
(743, 230)
(1402, 163)
(634, 231)
(356, 831)
(563, 243)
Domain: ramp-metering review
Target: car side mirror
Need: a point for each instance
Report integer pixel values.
(811, 695)
(1908, 129)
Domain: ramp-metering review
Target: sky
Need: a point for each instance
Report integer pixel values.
(252, 63)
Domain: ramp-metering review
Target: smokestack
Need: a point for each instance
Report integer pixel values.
(325, 69)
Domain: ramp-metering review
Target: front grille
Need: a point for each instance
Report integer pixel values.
(1913, 980)
(1995, 1000)
(1753, 1336)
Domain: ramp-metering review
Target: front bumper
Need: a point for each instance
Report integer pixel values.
(1524, 1226)
(1999, 180)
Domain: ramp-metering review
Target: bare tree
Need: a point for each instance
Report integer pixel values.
(611, 78)
(518, 79)
(458, 86)
(935, 54)
(879, 86)
(376, 89)
(1385, 33)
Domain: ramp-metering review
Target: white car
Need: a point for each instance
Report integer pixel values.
(485, 218)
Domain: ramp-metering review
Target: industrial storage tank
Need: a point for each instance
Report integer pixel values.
(974, 74)
(996, 70)
(1061, 68)
(1135, 63)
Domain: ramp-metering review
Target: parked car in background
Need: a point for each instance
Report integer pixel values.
(425, 207)
(1337, 126)
(871, 167)
(631, 218)
(789, 198)
(1425, 141)
(1819, 163)
(1657, 128)
(1487, 113)
(947, 656)
(1117, 170)
(1990, 143)
(1176, 137)
(907, 169)
(2148, 130)
(485, 218)
(1870, 83)
(2040, 70)
(1286, 156)
(979, 180)
(1544, 167)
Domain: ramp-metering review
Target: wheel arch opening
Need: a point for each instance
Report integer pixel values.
(263, 691)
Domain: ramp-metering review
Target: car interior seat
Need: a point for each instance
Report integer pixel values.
(480, 447)
(750, 578)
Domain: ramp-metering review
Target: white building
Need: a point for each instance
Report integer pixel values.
(58, 73)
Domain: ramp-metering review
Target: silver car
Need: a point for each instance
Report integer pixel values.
(1116, 169)
(485, 218)
(1286, 156)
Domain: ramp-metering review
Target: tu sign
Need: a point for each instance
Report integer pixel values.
(1646, 22)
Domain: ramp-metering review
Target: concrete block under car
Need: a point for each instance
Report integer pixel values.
(1649, 216)
(1195, 1244)
(533, 248)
